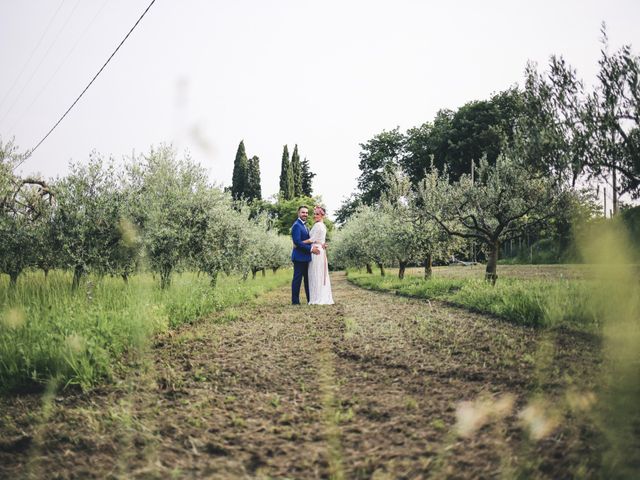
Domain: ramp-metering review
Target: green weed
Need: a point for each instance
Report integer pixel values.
(541, 303)
(49, 331)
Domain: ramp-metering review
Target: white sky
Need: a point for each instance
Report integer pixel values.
(327, 75)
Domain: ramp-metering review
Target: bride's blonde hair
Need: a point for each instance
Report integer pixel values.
(321, 209)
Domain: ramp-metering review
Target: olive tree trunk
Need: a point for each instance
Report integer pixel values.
(214, 279)
(78, 272)
(492, 262)
(401, 270)
(165, 278)
(428, 266)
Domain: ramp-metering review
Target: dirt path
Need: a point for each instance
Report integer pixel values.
(367, 388)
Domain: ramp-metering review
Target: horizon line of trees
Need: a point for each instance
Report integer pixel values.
(553, 134)
(554, 123)
(155, 212)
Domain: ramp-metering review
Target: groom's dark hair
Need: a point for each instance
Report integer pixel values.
(301, 207)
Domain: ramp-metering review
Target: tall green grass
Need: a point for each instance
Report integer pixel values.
(47, 331)
(541, 303)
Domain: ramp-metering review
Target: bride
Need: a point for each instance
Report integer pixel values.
(319, 281)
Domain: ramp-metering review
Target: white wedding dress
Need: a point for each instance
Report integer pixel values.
(319, 281)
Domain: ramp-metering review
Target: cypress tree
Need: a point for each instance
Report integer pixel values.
(240, 170)
(296, 170)
(286, 176)
(254, 190)
(307, 178)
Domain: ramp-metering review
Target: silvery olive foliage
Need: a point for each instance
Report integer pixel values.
(88, 210)
(25, 212)
(413, 238)
(155, 212)
(577, 132)
(396, 232)
(499, 204)
(172, 209)
(364, 239)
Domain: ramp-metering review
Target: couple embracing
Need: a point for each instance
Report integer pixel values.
(310, 259)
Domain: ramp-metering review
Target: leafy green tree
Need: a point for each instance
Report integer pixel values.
(402, 239)
(552, 134)
(574, 133)
(26, 206)
(413, 237)
(47, 247)
(613, 115)
(365, 238)
(173, 209)
(379, 156)
(285, 212)
(224, 240)
(253, 190)
(277, 251)
(17, 245)
(480, 128)
(240, 173)
(86, 218)
(350, 206)
(307, 179)
(287, 186)
(296, 171)
(505, 199)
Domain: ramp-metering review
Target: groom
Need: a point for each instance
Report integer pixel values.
(301, 255)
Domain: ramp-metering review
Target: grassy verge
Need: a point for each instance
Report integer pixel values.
(47, 331)
(541, 303)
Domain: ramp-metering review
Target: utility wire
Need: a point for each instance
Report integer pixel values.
(87, 87)
(60, 65)
(24, 67)
(46, 54)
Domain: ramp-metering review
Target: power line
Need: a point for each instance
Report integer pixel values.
(87, 87)
(46, 54)
(60, 65)
(24, 67)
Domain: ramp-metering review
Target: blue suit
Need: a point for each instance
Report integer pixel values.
(300, 256)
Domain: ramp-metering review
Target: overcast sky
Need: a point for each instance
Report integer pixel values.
(327, 75)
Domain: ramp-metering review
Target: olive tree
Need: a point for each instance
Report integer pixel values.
(578, 133)
(257, 256)
(505, 199)
(278, 250)
(25, 205)
(224, 241)
(171, 209)
(411, 237)
(365, 238)
(87, 215)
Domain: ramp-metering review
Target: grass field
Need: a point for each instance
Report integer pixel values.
(79, 338)
(535, 295)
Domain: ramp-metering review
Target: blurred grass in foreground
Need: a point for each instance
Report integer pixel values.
(603, 299)
(49, 332)
(617, 291)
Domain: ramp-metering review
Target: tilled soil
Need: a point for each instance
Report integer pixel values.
(366, 388)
